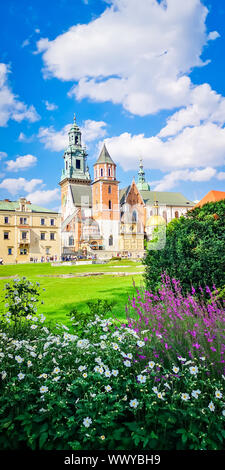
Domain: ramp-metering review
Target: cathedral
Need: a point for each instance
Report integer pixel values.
(98, 217)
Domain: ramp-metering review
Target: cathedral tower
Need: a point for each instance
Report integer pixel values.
(105, 199)
(75, 177)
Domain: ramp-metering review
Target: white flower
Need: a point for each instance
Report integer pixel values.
(87, 422)
(160, 395)
(20, 376)
(167, 385)
(44, 376)
(218, 394)
(155, 390)
(134, 403)
(185, 396)
(211, 406)
(56, 379)
(195, 393)
(115, 372)
(140, 344)
(127, 363)
(107, 373)
(151, 364)
(81, 368)
(56, 370)
(182, 359)
(29, 363)
(33, 327)
(108, 388)
(43, 389)
(175, 369)
(129, 355)
(193, 370)
(82, 343)
(115, 346)
(4, 374)
(141, 378)
(84, 375)
(19, 359)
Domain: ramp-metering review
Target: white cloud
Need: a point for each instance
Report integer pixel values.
(198, 146)
(205, 106)
(213, 35)
(138, 56)
(170, 180)
(50, 106)
(15, 185)
(21, 163)
(58, 140)
(221, 175)
(44, 197)
(24, 138)
(10, 106)
(3, 155)
(52, 139)
(25, 43)
(93, 130)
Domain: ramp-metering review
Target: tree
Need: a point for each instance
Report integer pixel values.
(194, 251)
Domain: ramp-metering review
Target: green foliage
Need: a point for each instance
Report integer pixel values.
(194, 252)
(21, 300)
(60, 391)
(80, 319)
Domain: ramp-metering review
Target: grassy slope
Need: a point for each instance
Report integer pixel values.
(62, 294)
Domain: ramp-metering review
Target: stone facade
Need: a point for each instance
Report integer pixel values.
(28, 232)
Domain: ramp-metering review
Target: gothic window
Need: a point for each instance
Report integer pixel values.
(101, 172)
(109, 190)
(78, 164)
(109, 172)
(134, 217)
(71, 241)
(76, 140)
(110, 204)
(110, 240)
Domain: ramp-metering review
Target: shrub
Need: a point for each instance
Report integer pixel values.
(176, 325)
(194, 251)
(59, 391)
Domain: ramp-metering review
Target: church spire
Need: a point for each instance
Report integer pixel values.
(142, 184)
(75, 157)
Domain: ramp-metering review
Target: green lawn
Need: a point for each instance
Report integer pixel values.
(63, 294)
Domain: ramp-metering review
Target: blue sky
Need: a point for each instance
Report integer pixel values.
(147, 78)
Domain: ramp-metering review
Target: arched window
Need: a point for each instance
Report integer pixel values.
(109, 172)
(110, 240)
(71, 241)
(165, 215)
(177, 215)
(76, 140)
(101, 172)
(109, 189)
(110, 204)
(134, 217)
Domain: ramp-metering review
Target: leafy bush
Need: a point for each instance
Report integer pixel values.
(176, 325)
(95, 307)
(103, 391)
(194, 252)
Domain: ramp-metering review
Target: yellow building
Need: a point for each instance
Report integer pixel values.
(28, 233)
